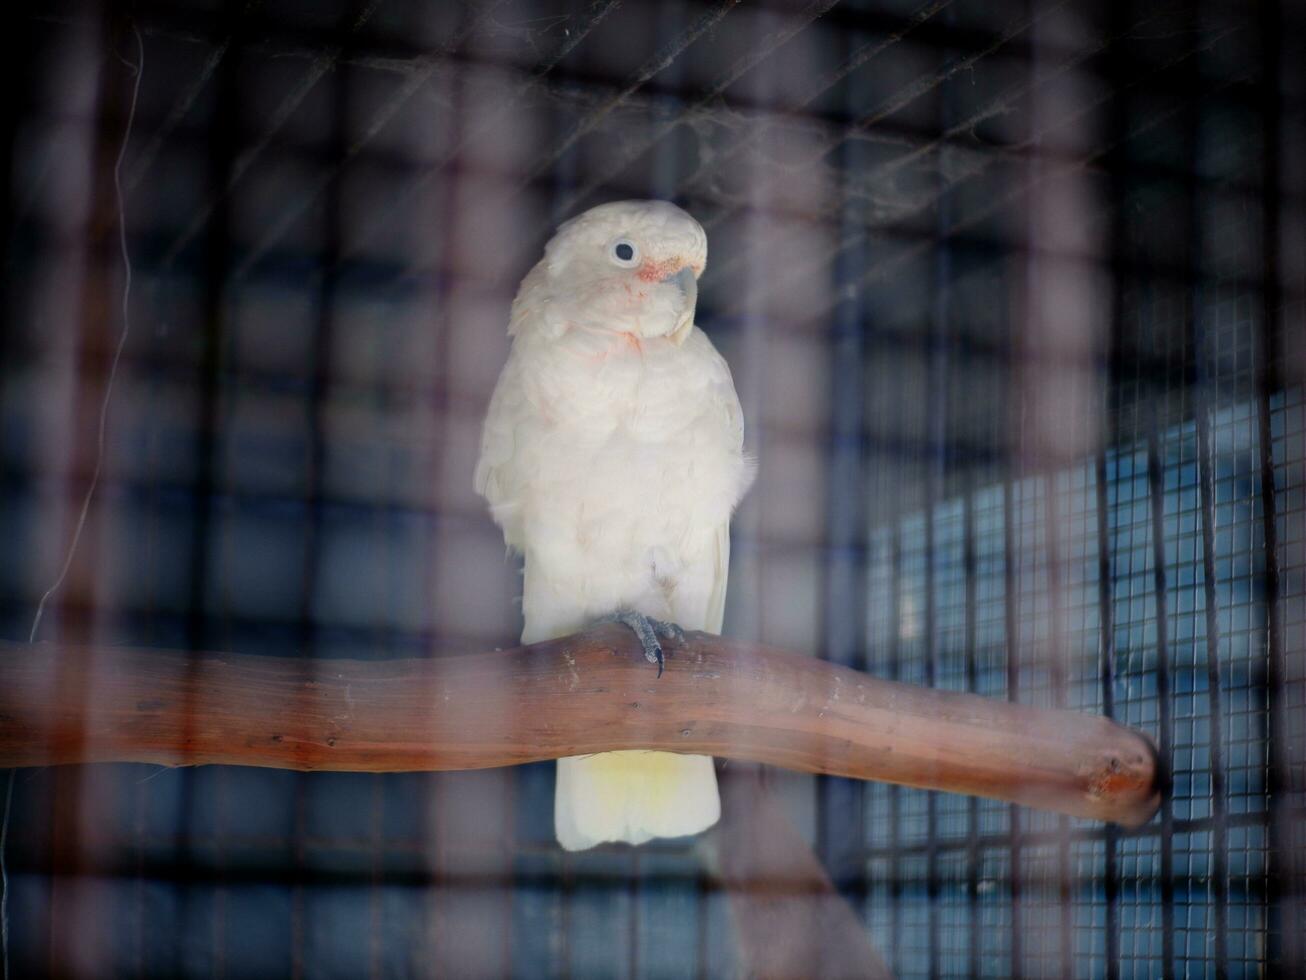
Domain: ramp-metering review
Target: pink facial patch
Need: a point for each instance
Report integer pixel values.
(657, 271)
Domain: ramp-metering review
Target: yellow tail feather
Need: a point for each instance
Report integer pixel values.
(633, 796)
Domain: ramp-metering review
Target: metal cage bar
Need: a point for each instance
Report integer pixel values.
(948, 552)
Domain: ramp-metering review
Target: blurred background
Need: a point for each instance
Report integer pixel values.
(1013, 295)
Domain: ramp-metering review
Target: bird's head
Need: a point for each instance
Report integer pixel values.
(628, 266)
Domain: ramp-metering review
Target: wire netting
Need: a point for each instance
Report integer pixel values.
(1013, 296)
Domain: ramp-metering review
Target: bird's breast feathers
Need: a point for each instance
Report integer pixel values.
(613, 442)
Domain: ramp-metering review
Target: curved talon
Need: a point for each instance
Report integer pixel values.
(671, 631)
(648, 630)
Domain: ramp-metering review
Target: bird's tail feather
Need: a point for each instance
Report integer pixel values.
(633, 796)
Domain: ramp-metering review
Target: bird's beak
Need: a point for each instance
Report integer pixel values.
(684, 281)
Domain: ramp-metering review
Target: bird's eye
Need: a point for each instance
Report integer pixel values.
(624, 252)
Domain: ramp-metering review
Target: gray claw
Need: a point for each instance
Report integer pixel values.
(671, 631)
(648, 630)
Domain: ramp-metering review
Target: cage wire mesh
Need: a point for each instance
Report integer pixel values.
(1012, 293)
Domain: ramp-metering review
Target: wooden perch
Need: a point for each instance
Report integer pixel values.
(580, 694)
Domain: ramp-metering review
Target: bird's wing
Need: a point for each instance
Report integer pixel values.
(495, 478)
(726, 401)
(716, 603)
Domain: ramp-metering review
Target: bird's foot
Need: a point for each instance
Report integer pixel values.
(648, 630)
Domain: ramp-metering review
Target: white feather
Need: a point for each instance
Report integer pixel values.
(612, 458)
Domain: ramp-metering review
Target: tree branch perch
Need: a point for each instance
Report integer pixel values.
(585, 693)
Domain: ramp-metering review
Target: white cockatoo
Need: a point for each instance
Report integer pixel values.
(612, 457)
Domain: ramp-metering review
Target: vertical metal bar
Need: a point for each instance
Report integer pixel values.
(895, 792)
(1285, 940)
(701, 922)
(467, 938)
(841, 830)
(223, 145)
(1156, 494)
(1054, 654)
(17, 53)
(667, 25)
(1057, 658)
(1201, 384)
(72, 908)
(567, 886)
(931, 680)
(1107, 645)
(1012, 622)
(1286, 877)
(936, 462)
(318, 388)
(1011, 608)
(632, 887)
(434, 289)
(1219, 838)
(969, 563)
(1011, 601)
(376, 932)
(1118, 17)
(563, 175)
